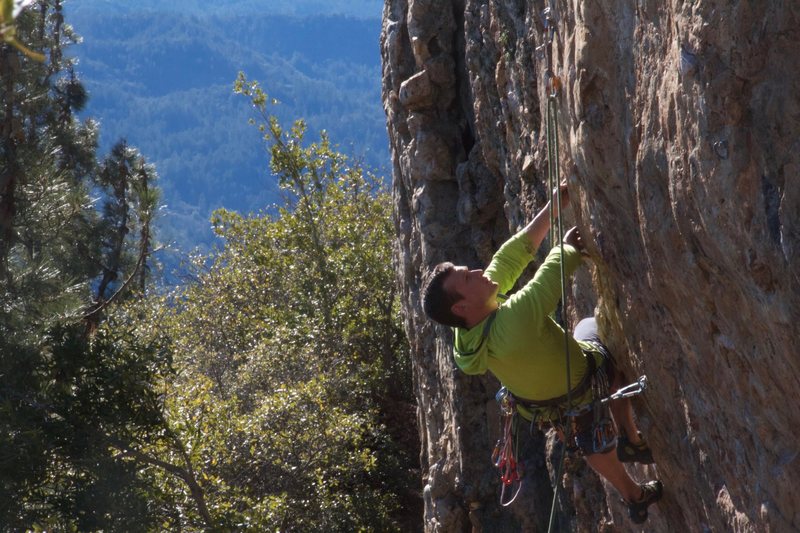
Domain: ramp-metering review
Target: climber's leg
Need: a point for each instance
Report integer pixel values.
(621, 410)
(608, 466)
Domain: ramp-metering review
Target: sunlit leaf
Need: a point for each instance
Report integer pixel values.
(19, 5)
(8, 12)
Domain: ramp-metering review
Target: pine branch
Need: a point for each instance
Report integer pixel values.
(102, 304)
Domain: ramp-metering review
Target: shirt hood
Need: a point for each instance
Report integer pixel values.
(471, 348)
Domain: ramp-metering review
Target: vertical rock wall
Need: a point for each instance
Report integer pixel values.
(679, 124)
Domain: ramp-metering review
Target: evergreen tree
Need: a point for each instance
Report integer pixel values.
(76, 392)
(130, 203)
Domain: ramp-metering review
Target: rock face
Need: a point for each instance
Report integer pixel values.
(680, 129)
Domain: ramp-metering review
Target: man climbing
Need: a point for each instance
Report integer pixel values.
(519, 342)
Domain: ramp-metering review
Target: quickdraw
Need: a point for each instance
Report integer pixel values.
(628, 391)
(552, 82)
(603, 435)
(504, 456)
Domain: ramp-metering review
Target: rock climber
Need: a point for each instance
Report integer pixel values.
(517, 340)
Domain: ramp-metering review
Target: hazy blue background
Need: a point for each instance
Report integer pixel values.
(160, 74)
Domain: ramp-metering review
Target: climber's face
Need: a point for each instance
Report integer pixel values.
(478, 294)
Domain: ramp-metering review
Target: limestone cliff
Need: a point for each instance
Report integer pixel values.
(680, 128)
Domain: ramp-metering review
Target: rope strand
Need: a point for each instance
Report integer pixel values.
(553, 85)
(554, 171)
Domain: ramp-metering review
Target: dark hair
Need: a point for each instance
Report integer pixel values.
(436, 301)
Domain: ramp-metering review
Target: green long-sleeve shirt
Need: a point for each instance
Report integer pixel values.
(524, 347)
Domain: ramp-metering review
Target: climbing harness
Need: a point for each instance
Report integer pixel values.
(590, 422)
(504, 455)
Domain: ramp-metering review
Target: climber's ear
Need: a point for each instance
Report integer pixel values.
(460, 308)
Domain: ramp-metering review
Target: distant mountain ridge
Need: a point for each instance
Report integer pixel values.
(163, 80)
(368, 9)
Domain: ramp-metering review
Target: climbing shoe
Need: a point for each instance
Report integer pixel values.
(627, 452)
(651, 493)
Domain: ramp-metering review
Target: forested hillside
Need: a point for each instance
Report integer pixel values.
(161, 75)
(349, 8)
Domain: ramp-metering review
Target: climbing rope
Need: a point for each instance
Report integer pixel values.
(602, 428)
(552, 87)
(504, 455)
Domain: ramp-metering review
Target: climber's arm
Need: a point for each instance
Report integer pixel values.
(537, 229)
(515, 254)
(540, 296)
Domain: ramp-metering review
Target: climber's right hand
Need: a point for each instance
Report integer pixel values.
(573, 238)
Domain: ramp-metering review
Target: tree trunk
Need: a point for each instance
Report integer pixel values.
(9, 129)
(679, 126)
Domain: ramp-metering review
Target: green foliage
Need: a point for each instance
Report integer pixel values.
(128, 209)
(76, 391)
(68, 403)
(9, 9)
(507, 45)
(294, 461)
(257, 397)
(289, 354)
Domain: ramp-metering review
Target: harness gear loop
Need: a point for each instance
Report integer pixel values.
(504, 454)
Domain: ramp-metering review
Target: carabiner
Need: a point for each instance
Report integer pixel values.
(629, 390)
